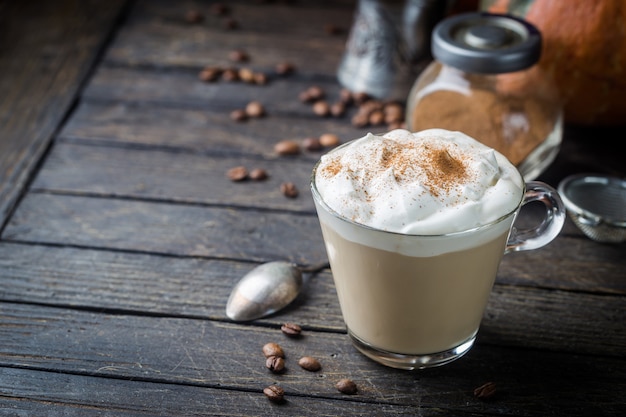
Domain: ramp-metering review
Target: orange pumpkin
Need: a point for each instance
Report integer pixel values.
(584, 51)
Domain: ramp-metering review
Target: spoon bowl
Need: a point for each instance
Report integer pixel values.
(264, 290)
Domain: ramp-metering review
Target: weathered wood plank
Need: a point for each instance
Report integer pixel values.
(46, 52)
(182, 177)
(228, 356)
(251, 235)
(192, 287)
(198, 130)
(178, 88)
(37, 393)
(156, 34)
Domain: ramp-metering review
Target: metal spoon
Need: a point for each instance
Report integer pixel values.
(266, 289)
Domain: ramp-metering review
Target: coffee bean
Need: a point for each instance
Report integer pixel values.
(321, 108)
(345, 96)
(291, 329)
(485, 391)
(338, 109)
(332, 29)
(360, 98)
(275, 364)
(260, 78)
(289, 189)
(310, 364)
(287, 147)
(230, 24)
(359, 120)
(238, 55)
(230, 74)
(273, 349)
(394, 113)
(239, 173)
(274, 393)
(219, 9)
(329, 140)
(238, 115)
(312, 144)
(194, 16)
(315, 92)
(346, 386)
(258, 174)
(376, 118)
(255, 109)
(246, 75)
(285, 68)
(209, 74)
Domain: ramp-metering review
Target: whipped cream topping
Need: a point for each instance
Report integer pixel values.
(431, 182)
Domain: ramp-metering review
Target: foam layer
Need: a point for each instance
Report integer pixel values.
(428, 183)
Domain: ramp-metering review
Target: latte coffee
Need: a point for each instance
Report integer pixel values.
(415, 226)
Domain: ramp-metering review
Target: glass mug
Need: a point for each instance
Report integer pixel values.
(416, 301)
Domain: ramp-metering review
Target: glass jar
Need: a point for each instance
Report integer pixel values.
(484, 83)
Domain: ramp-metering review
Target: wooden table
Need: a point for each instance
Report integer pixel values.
(122, 236)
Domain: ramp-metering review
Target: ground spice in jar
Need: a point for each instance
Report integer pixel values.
(512, 125)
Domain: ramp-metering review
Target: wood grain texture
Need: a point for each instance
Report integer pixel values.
(228, 356)
(118, 258)
(157, 34)
(46, 51)
(199, 130)
(173, 229)
(196, 287)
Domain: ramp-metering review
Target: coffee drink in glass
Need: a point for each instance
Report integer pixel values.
(415, 226)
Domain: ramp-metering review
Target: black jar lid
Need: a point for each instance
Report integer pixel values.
(486, 43)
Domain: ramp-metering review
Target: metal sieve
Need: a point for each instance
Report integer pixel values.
(597, 205)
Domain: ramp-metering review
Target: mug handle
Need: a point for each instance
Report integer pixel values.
(550, 226)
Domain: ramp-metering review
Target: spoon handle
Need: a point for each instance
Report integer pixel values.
(315, 268)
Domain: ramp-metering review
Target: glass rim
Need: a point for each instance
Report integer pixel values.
(317, 197)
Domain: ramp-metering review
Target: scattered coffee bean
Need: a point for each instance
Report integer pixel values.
(376, 118)
(258, 174)
(332, 29)
(321, 108)
(230, 74)
(255, 109)
(209, 74)
(394, 112)
(360, 98)
(238, 115)
(285, 68)
(485, 391)
(230, 24)
(246, 75)
(338, 109)
(312, 94)
(260, 78)
(345, 96)
(273, 349)
(274, 393)
(289, 189)
(346, 386)
(291, 329)
(359, 120)
(238, 55)
(219, 9)
(194, 16)
(312, 144)
(310, 364)
(276, 364)
(329, 140)
(239, 173)
(287, 147)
